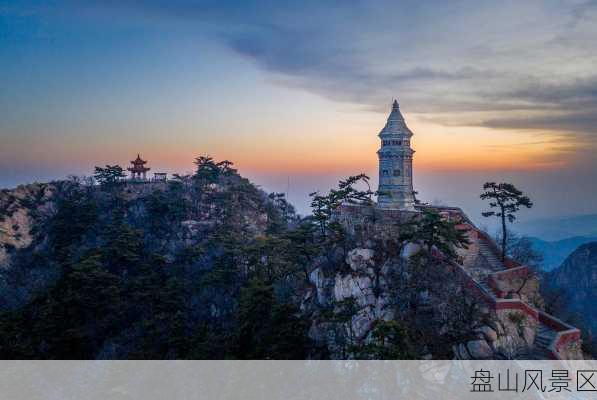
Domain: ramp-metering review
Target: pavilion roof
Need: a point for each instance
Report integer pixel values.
(138, 160)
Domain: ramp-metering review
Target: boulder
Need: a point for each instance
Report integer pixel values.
(460, 352)
(409, 250)
(489, 334)
(362, 323)
(497, 326)
(528, 334)
(479, 349)
(360, 259)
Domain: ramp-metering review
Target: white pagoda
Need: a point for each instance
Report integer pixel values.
(395, 164)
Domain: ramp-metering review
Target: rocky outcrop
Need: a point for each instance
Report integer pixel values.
(360, 287)
(479, 349)
(353, 287)
(173, 218)
(365, 281)
(506, 335)
(19, 210)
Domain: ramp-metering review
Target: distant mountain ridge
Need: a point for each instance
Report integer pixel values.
(555, 252)
(559, 228)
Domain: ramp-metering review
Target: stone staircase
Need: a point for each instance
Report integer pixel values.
(494, 262)
(544, 335)
(543, 338)
(540, 350)
(485, 285)
(482, 260)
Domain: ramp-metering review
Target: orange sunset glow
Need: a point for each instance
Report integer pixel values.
(309, 113)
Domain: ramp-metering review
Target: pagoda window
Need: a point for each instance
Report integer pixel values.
(385, 172)
(396, 172)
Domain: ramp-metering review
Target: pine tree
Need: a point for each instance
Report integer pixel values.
(508, 200)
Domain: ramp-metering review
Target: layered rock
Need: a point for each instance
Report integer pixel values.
(20, 209)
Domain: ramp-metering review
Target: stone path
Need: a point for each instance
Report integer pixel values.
(543, 338)
(495, 264)
(483, 283)
(480, 266)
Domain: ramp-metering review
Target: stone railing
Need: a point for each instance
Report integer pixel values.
(492, 300)
(566, 334)
(505, 275)
(516, 304)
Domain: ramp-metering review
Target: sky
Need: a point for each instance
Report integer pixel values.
(295, 93)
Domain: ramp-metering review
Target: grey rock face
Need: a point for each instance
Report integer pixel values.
(579, 272)
(17, 207)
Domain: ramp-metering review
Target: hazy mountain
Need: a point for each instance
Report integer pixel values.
(559, 228)
(576, 280)
(554, 253)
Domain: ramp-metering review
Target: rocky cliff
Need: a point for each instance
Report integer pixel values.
(147, 269)
(578, 273)
(20, 210)
(383, 281)
(576, 280)
(209, 266)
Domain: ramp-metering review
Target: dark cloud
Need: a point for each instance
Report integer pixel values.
(568, 106)
(578, 92)
(320, 59)
(436, 57)
(584, 122)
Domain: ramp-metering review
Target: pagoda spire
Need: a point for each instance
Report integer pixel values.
(395, 124)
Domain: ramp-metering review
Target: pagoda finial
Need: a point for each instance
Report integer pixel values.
(395, 105)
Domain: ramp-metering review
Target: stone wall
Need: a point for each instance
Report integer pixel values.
(367, 221)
